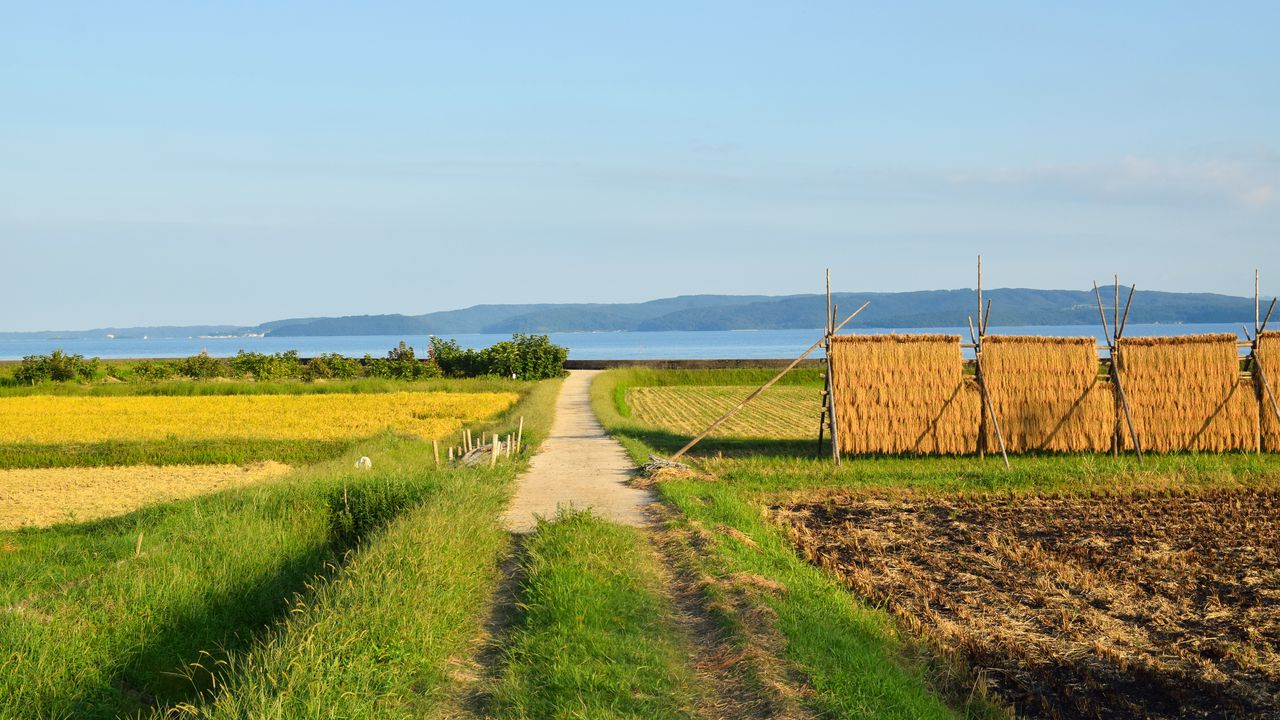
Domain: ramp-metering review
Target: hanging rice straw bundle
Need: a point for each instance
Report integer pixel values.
(903, 394)
(1186, 393)
(1269, 354)
(1047, 395)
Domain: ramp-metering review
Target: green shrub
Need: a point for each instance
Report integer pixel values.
(330, 366)
(400, 364)
(526, 357)
(202, 367)
(355, 511)
(57, 366)
(263, 367)
(153, 370)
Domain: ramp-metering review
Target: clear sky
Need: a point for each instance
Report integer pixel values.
(181, 162)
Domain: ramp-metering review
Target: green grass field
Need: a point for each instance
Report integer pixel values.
(247, 602)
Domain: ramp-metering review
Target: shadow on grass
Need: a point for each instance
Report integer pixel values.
(667, 443)
(181, 657)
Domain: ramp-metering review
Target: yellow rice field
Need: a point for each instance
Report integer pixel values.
(782, 413)
(39, 498)
(47, 419)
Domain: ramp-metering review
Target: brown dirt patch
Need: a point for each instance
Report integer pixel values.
(1151, 606)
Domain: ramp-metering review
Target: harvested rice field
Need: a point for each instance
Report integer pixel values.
(55, 419)
(1156, 606)
(44, 497)
(788, 413)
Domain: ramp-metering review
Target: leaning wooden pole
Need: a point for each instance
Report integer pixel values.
(831, 397)
(982, 390)
(1113, 343)
(764, 387)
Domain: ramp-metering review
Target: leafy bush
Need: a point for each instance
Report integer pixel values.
(153, 370)
(201, 367)
(526, 357)
(400, 364)
(455, 360)
(355, 511)
(328, 366)
(57, 367)
(263, 367)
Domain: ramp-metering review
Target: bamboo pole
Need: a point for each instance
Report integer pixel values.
(1115, 377)
(1262, 375)
(520, 435)
(764, 387)
(1256, 301)
(1124, 319)
(982, 390)
(1115, 310)
(435, 451)
(832, 314)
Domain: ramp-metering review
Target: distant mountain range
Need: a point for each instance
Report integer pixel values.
(931, 308)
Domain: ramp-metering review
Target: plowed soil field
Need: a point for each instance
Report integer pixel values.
(1156, 606)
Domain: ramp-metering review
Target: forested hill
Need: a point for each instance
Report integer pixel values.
(933, 308)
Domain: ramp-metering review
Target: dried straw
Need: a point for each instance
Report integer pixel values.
(1186, 393)
(903, 394)
(1269, 354)
(1047, 394)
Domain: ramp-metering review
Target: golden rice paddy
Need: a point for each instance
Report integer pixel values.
(46, 419)
(782, 413)
(43, 497)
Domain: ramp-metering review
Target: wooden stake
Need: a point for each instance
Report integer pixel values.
(1124, 319)
(764, 387)
(1257, 297)
(520, 436)
(830, 319)
(137, 549)
(982, 390)
(1106, 332)
(1115, 310)
(1124, 403)
(493, 452)
(1115, 373)
(435, 450)
(451, 455)
(1263, 327)
(831, 409)
(1262, 375)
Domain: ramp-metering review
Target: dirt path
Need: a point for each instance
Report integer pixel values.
(579, 466)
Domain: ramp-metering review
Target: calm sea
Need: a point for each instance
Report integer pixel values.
(582, 346)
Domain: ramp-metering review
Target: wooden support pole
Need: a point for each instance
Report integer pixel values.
(1115, 310)
(137, 549)
(520, 435)
(1257, 297)
(982, 390)
(451, 454)
(764, 387)
(1115, 374)
(831, 408)
(493, 452)
(1124, 403)
(435, 451)
(1124, 319)
(1262, 375)
(1263, 327)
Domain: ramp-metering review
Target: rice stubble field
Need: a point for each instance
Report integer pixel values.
(1147, 606)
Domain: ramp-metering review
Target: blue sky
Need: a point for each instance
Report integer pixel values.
(239, 162)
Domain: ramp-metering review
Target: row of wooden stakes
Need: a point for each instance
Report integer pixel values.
(469, 450)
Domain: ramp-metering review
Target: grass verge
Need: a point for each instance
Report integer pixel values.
(594, 638)
(238, 600)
